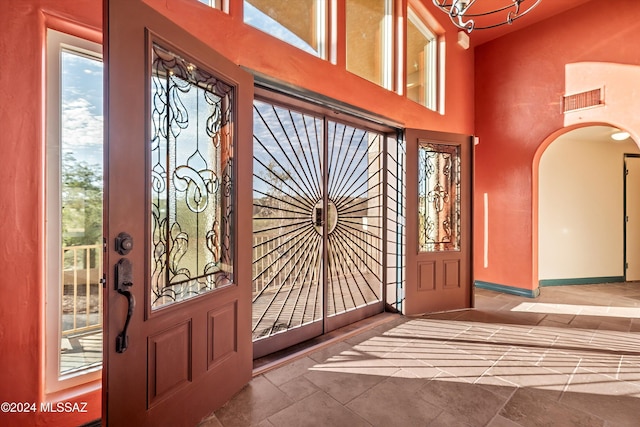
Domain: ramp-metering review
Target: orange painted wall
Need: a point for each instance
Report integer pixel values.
(519, 85)
(22, 41)
(22, 36)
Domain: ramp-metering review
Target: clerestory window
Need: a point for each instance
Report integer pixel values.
(422, 62)
(301, 23)
(369, 39)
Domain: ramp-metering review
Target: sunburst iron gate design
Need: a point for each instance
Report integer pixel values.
(317, 218)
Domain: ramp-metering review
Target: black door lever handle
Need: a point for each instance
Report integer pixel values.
(124, 280)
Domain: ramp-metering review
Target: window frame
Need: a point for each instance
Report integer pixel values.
(222, 5)
(388, 44)
(432, 67)
(323, 17)
(56, 43)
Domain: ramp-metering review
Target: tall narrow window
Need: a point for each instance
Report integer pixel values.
(301, 23)
(74, 184)
(370, 39)
(422, 62)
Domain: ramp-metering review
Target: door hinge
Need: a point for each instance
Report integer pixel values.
(626, 265)
(104, 244)
(103, 281)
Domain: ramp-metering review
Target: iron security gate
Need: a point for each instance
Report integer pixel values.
(317, 224)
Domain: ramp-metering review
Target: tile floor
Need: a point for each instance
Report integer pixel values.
(568, 358)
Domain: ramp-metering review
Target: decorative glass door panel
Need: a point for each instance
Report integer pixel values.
(317, 230)
(191, 170)
(438, 197)
(439, 241)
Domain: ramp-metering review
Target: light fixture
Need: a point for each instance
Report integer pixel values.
(469, 14)
(620, 135)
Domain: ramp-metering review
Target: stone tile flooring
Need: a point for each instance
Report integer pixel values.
(568, 358)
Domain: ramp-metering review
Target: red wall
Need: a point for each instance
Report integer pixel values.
(22, 41)
(519, 84)
(22, 35)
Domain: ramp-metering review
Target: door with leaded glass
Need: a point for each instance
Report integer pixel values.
(439, 185)
(177, 336)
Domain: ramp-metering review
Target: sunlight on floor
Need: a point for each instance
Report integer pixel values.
(585, 310)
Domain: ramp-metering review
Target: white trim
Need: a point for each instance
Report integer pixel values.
(486, 231)
(321, 28)
(387, 45)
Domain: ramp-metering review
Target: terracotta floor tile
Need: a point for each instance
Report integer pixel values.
(394, 402)
(472, 404)
(531, 408)
(601, 396)
(256, 402)
(344, 386)
(319, 409)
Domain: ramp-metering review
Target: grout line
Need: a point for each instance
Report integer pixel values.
(619, 367)
(566, 386)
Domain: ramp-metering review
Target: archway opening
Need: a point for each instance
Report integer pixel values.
(582, 218)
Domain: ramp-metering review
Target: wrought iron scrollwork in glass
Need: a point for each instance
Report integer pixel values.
(191, 180)
(438, 197)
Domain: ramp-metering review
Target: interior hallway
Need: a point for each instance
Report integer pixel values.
(568, 358)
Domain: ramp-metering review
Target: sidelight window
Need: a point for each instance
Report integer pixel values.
(74, 184)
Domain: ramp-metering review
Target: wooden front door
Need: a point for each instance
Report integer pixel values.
(439, 183)
(178, 293)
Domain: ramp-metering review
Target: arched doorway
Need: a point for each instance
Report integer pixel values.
(583, 235)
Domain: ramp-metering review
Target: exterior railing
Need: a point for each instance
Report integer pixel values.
(274, 258)
(81, 289)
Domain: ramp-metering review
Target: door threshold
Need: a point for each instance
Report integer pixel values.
(289, 354)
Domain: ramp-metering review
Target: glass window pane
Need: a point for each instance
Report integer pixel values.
(81, 165)
(421, 62)
(216, 4)
(191, 178)
(438, 197)
(369, 39)
(300, 23)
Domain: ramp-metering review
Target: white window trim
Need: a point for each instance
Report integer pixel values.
(387, 42)
(321, 28)
(56, 42)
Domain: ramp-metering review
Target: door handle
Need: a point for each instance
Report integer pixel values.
(124, 281)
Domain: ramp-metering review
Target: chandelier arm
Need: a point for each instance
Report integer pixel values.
(457, 11)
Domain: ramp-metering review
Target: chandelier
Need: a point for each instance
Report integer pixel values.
(469, 15)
